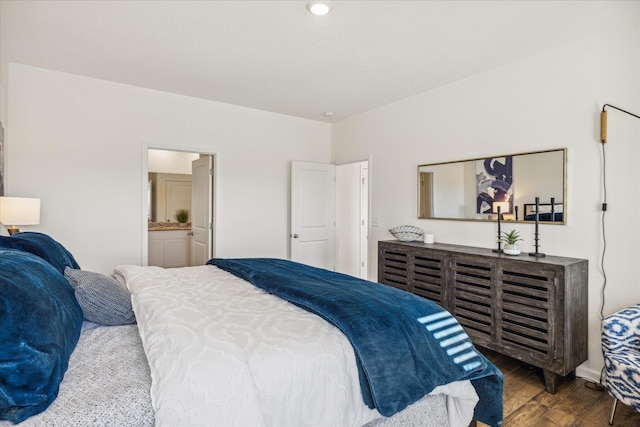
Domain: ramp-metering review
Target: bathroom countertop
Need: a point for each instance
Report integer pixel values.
(168, 226)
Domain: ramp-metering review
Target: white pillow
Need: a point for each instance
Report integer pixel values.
(3, 230)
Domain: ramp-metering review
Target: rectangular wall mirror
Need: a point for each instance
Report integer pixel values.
(477, 189)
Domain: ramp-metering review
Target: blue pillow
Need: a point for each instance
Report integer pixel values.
(102, 299)
(41, 245)
(40, 323)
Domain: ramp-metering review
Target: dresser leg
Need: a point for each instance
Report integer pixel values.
(550, 381)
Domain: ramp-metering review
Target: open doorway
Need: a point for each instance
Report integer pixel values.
(179, 208)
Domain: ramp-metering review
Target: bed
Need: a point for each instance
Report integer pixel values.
(551, 212)
(202, 346)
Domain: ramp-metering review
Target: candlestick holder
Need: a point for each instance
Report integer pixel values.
(499, 250)
(537, 253)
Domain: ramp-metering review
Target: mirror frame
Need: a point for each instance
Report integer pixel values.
(494, 216)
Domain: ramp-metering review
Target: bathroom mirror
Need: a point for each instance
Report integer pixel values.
(477, 189)
(168, 193)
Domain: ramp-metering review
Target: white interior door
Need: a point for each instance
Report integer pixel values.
(313, 214)
(177, 196)
(201, 210)
(352, 213)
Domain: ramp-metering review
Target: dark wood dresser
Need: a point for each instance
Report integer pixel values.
(531, 309)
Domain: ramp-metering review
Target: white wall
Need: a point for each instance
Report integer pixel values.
(79, 144)
(547, 101)
(163, 161)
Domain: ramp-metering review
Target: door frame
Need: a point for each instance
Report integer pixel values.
(146, 146)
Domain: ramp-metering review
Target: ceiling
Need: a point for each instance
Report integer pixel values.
(275, 56)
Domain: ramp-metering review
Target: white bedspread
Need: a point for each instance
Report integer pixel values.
(221, 349)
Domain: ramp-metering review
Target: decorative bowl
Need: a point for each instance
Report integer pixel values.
(407, 233)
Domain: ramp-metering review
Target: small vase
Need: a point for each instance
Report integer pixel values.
(511, 249)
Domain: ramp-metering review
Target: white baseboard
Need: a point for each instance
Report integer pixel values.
(588, 373)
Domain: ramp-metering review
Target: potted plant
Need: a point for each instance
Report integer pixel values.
(182, 216)
(510, 241)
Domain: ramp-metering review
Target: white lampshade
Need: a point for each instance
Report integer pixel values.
(19, 211)
(505, 207)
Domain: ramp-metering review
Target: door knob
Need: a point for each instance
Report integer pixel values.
(295, 236)
(190, 233)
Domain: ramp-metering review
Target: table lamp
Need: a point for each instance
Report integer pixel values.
(19, 211)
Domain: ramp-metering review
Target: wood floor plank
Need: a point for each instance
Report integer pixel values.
(527, 403)
(519, 386)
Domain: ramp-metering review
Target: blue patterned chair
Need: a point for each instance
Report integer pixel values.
(621, 350)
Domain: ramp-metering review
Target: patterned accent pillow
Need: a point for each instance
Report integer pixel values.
(101, 298)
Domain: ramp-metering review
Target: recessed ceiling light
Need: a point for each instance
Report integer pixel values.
(328, 114)
(318, 8)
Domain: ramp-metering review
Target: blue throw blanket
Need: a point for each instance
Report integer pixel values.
(40, 323)
(41, 245)
(405, 345)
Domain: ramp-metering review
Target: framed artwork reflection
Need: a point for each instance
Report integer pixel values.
(494, 183)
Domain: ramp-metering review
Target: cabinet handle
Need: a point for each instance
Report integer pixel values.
(190, 233)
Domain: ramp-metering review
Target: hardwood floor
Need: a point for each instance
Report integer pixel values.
(527, 404)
